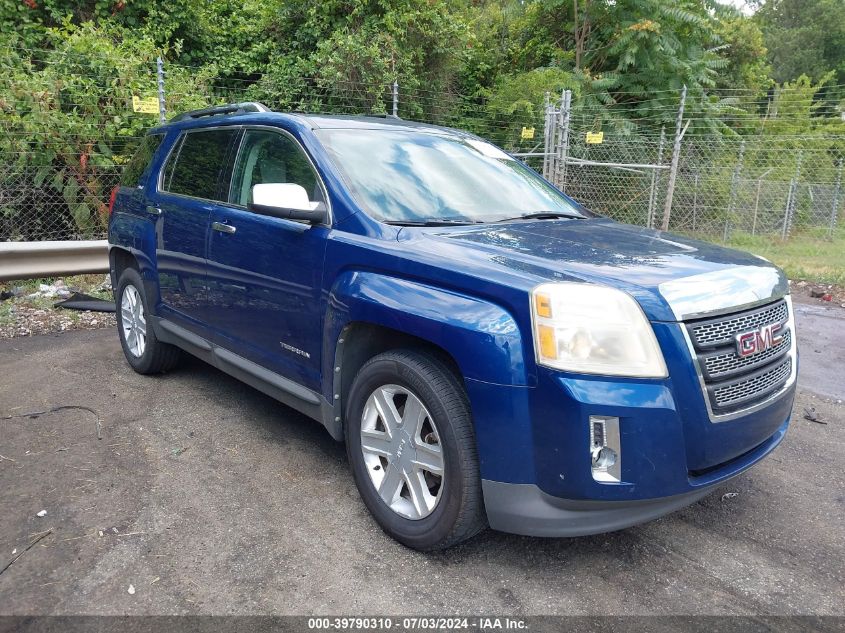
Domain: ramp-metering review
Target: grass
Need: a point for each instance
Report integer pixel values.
(83, 283)
(814, 257)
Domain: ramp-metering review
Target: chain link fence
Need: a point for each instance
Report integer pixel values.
(721, 187)
(719, 184)
(756, 190)
(62, 151)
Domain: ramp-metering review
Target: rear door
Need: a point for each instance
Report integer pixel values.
(264, 273)
(190, 188)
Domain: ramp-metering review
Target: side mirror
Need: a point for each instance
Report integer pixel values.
(286, 200)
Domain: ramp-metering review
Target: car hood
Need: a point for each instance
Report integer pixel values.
(672, 277)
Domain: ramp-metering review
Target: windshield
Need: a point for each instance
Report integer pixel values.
(417, 177)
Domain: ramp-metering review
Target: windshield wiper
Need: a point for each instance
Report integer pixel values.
(442, 222)
(544, 215)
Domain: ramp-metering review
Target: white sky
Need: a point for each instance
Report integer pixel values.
(742, 5)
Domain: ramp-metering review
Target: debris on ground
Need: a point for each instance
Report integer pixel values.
(811, 415)
(824, 292)
(32, 415)
(27, 307)
(82, 301)
(131, 590)
(42, 513)
(48, 291)
(729, 495)
(38, 538)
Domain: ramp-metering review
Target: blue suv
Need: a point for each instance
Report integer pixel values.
(491, 353)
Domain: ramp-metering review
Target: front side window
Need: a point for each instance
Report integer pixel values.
(410, 176)
(140, 162)
(197, 162)
(270, 157)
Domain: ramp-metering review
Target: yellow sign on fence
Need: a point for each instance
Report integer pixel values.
(595, 138)
(148, 105)
(527, 132)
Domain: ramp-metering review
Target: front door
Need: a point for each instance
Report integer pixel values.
(189, 190)
(265, 273)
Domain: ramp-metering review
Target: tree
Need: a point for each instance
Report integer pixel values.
(68, 122)
(746, 54)
(347, 53)
(804, 37)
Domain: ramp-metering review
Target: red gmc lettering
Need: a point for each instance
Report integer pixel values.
(749, 343)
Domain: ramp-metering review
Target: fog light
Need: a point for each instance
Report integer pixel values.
(605, 449)
(604, 458)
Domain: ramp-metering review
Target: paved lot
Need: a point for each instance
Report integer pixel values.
(208, 497)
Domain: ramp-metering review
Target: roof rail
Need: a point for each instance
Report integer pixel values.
(231, 108)
(382, 115)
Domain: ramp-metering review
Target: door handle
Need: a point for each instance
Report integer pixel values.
(223, 228)
(154, 210)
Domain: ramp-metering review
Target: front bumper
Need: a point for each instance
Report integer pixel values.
(525, 509)
(534, 445)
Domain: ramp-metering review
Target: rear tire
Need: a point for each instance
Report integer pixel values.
(143, 351)
(415, 419)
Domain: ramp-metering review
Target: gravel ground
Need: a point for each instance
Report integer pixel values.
(30, 310)
(207, 497)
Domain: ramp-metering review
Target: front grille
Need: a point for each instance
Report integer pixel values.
(732, 382)
(719, 332)
(750, 388)
(724, 364)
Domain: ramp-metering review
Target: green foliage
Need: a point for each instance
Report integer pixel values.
(745, 51)
(518, 101)
(326, 52)
(70, 69)
(804, 37)
(67, 116)
(796, 126)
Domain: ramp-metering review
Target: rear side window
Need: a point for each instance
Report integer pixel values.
(195, 165)
(138, 166)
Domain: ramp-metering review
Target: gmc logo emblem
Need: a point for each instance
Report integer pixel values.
(757, 341)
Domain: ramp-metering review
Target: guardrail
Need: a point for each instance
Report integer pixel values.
(30, 260)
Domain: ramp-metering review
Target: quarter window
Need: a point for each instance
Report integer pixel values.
(195, 165)
(138, 166)
(270, 157)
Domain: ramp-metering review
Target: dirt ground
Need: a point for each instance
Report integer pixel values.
(205, 497)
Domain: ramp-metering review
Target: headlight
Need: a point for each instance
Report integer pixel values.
(593, 329)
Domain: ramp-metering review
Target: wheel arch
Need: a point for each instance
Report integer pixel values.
(371, 313)
(121, 258)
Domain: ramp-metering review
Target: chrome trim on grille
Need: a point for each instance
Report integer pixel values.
(750, 387)
(721, 365)
(790, 360)
(720, 331)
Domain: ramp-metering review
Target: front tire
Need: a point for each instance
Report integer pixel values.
(143, 351)
(411, 445)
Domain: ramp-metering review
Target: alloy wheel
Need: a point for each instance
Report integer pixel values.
(402, 451)
(133, 321)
